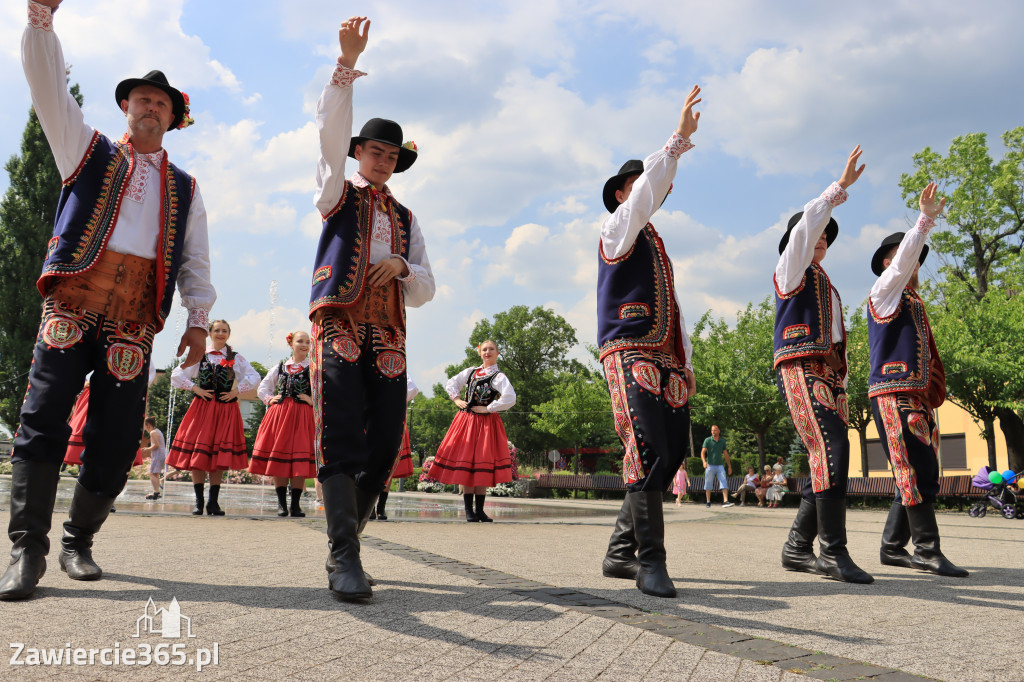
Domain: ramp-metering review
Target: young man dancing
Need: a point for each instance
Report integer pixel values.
(130, 227)
(811, 371)
(906, 386)
(646, 354)
(371, 263)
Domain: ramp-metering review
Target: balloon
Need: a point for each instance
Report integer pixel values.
(995, 478)
(1008, 476)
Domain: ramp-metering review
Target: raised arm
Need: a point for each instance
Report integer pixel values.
(619, 231)
(59, 114)
(799, 252)
(334, 115)
(888, 288)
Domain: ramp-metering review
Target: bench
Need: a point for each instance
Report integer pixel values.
(957, 487)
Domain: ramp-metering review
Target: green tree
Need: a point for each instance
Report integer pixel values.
(534, 346)
(980, 254)
(428, 420)
(159, 400)
(857, 388)
(979, 342)
(578, 414)
(27, 213)
(735, 377)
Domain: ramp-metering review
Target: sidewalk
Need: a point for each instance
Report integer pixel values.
(524, 600)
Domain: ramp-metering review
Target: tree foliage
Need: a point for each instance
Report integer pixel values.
(579, 413)
(27, 213)
(428, 421)
(976, 298)
(735, 374)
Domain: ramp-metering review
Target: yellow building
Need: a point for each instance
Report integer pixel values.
(962, 449)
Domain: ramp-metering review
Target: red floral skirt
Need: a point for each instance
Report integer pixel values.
(76, 444)
(284, 444)
(210, 438)
(403, 465)
(474, 452)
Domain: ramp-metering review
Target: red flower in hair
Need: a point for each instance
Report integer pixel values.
(288, 339)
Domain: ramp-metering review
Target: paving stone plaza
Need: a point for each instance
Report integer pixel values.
(519, 599)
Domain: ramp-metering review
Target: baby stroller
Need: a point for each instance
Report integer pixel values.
(1000, 494)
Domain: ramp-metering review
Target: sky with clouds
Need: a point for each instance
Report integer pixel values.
(521, 110)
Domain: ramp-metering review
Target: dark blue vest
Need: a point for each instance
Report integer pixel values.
(87, 212)
(903, 352)
(343, 256)
(803, 320)
(636, 299)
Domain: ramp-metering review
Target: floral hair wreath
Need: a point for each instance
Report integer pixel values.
(186, 118)
(288, 339)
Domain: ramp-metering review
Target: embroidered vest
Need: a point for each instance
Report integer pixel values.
(215, 378)
(87, 211)
(636, 298)
(903, 352)
(343, 256)
(803, 321)
(293, 385)
(479, 390)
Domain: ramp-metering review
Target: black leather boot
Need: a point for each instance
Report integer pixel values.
(895, 537)
(649, 529)
(200, 503)
(296, 509)
(88, 512)
(467, 499)
(834, 560)
(925, 532)
(212, 508)
(382, 500)
(620, 559)
(798, 552)
(282, 500)
(33, 491)
(362, 500)
(347, 580)
(480, 515)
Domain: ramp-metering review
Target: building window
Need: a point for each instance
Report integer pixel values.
(877, 461)
(953, 453)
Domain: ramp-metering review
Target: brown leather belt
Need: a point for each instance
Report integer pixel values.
(119, 286)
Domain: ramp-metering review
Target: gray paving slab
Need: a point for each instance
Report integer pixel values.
(525, 600)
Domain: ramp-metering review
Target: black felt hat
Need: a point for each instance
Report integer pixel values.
(831, 230)
(158, 80)
(892, 240)
(615, 183)
(386, 132)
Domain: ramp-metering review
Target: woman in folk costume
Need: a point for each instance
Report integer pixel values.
(211, 438)
(403, 463)
(474, 452)
(284, 444)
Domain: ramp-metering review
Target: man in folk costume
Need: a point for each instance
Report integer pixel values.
(371, 263)
(811, 370)
(130, 227)
(906, 386)
(645, 351)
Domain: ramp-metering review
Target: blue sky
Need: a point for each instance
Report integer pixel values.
(521, 110)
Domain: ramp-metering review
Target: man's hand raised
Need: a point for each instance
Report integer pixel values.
(688, 118)
(851, 173)
(928, 206)
(351, 40)
(194, 339)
